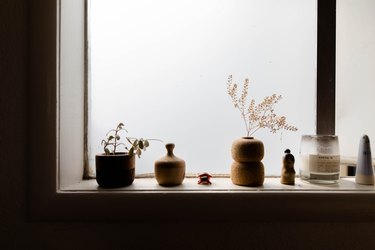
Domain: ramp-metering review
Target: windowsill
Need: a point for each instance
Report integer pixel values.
(145, 200)
(271, 184)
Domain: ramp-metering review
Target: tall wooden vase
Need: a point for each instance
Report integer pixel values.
(247, 168)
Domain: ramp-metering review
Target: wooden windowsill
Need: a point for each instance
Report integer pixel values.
(271, 184)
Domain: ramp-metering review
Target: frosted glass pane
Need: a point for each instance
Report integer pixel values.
(161, 66)
(355, 84)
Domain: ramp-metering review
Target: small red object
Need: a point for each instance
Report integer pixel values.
(204, 179)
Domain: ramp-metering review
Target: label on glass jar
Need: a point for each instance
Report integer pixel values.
(321, 163)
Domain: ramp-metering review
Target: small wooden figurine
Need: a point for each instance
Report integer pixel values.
(288, 173)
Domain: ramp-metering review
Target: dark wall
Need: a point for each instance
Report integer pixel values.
(13, 119)
(17, 233)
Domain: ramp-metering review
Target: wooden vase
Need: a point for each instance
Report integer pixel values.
(247, 149)
(247, 168)
(170, 170)
(247, 173)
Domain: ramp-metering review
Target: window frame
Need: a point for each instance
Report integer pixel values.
(46, 202)
(326, 67)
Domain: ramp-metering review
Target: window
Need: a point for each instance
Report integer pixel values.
(161, 67)
(73, 113)
(355, 75)
(47, 201)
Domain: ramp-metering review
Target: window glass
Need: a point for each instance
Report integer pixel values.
(355, 86)
(161, 67)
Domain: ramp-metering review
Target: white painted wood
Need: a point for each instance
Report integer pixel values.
(71, 93)
(224, 185)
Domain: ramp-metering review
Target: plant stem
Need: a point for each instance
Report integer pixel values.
(115, 145)
(246, 125)
(257, 128)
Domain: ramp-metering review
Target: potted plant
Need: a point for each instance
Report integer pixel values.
(116, 168)
(247, 152)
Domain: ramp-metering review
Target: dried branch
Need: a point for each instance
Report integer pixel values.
(257, 116)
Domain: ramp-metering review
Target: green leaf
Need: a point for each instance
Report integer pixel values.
(131, 152)
(141, 144)
(146, 143)
(106, 150)
(119, 126)
(110, 138)
(117, 137)
(139, 152)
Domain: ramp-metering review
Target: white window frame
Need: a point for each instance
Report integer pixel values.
(48, 202)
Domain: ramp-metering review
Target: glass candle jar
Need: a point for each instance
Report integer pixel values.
(320, 159)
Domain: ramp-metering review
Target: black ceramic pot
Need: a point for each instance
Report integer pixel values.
(113, 171)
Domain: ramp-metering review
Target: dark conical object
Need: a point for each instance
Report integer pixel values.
(365, 172)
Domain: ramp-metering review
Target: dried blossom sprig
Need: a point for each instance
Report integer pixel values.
(257, 116)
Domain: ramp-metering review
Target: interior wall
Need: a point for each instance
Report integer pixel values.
(13, 116)
(17, 232)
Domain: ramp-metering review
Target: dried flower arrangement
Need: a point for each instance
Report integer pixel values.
(257, 116)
